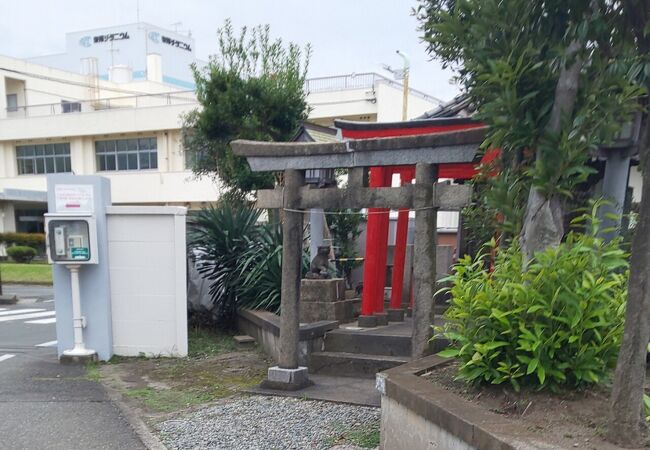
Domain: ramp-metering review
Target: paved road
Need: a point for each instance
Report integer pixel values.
(43, 404)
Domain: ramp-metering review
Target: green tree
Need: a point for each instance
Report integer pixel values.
(553, 80)
(544, 84)
(253, 88)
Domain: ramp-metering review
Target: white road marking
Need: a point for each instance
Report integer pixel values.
(3, 309)
(27, 316)
(47, 344)
(20, 311)
(43, 321)
(6, 357)
(48, 301)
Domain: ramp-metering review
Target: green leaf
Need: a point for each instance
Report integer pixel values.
(541, 374)
(448, 353)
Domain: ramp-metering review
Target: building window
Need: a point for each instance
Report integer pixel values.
(30, 220)
(68, 107)
(43, 158)
(12, 102)
(127, 154)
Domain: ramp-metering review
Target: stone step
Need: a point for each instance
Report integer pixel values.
(344, 340)
(352, 364)
(342, 310)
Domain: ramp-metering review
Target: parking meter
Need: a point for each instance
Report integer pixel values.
(72, 241)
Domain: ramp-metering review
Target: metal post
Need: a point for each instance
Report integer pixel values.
(291, 270)
(77, 319)
(424, 257)
(615, 182)
(405, 93)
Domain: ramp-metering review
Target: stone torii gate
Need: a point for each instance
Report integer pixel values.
(426, 197)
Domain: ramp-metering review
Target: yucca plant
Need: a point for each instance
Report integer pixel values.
(241, 258)
(261, 267)
(220, 236)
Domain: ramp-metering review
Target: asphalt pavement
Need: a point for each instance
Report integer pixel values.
(44, 404)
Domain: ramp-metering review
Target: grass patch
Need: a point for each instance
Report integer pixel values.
(204, 386)
(365, 436)
(215, 368)
(26, 273)
(204, 342)
(92, 371)
(169, 400)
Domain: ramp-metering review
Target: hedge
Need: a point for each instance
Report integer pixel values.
(36, 240)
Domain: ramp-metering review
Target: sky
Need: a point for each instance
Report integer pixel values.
(347, 36)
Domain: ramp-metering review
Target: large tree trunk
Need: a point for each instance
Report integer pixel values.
(543, 226)
(626, 421)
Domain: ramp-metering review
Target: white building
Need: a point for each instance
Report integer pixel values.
(124, 121)
(127, 45)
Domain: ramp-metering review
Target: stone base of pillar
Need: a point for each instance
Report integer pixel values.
(382, 318)
(409, 312)
(287, 379)
(78, 359)
(367, 321)
(395, 315)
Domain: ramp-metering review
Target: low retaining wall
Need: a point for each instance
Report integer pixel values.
(265, 328)
(417, 414)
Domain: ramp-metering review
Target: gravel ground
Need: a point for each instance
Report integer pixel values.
(265, 423)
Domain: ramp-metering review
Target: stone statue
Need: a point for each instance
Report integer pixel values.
(320, 265)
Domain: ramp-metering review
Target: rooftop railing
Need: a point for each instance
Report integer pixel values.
(103, 104)
(366, 80)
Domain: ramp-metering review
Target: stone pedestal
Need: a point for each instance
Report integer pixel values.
(78, 359)
(287, 379)
(395, 315)
(325, 300)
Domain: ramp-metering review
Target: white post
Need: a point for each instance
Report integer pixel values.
(77, 319)
(316, 227)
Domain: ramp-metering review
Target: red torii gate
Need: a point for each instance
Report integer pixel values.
(375, 261)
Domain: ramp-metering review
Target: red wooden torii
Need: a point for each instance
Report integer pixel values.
(374, 274)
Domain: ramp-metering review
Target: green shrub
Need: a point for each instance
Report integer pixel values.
(21, 253)
(34, 240)
(558, 323)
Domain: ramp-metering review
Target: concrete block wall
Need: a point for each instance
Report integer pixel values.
(146, 248)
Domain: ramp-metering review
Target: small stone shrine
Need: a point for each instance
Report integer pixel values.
(325, 299)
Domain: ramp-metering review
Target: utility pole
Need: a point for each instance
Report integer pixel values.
(405, 83)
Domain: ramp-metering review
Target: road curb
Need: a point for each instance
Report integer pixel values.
(140, 428)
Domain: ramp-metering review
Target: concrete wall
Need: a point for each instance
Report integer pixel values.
(373, 99)
(403, 429)
(146, 248)
(265, 328)
(389, 103)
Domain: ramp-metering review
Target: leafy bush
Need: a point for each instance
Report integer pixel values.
(240, 257)
(34, 240)
(559, 322)
(21, 253)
